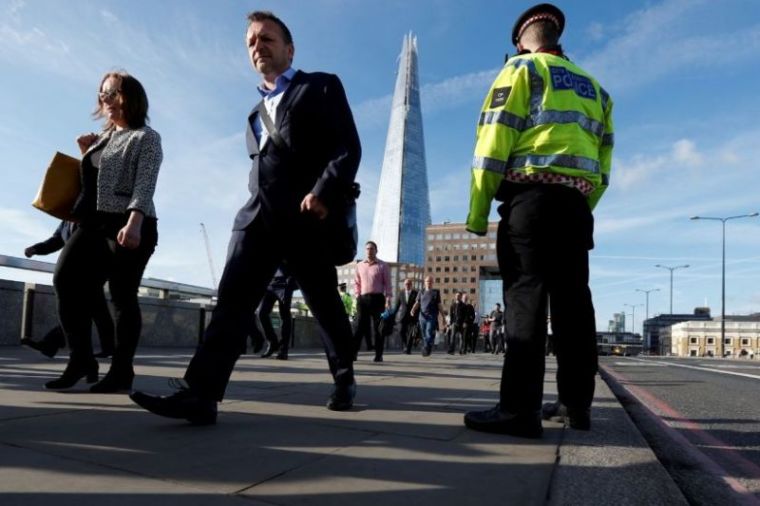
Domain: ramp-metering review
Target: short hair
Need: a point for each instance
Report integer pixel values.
(498, 304)
(134, 100)
(543, 32)
(267, 15)
(372, 243)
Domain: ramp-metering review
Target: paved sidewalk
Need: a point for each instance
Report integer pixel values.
(276, 444)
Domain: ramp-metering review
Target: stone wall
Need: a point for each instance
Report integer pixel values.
(28, 309)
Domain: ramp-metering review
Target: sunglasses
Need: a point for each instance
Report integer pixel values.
(108, 96)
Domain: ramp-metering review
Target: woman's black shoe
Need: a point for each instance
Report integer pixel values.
(73, 373)
(46, 348)
(113, 382)
(103, 354)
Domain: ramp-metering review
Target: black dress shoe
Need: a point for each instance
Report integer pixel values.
(182, 404)
(342, 398)
(426, 350)
(45, 347)
(73, 373)
(271, 350)
(282, 355)
(103, 354)
(579, 419)
(500, 422)
(114, 382)
(377, 359)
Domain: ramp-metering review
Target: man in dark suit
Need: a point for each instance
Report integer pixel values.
(298, 173)
(402, 308)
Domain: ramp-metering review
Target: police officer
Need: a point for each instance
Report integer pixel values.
(543, 149)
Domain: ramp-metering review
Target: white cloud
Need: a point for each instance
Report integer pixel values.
(684, 151)
(659, 41)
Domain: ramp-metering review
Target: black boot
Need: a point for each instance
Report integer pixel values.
(116, 380)
(75, 370)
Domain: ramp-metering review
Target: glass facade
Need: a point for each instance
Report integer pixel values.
(402, 210)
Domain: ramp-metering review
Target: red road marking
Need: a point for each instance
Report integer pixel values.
(656, 408)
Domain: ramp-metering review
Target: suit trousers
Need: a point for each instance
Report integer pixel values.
(253, 257)
(368, 310)
(264, 313)
(543, 240)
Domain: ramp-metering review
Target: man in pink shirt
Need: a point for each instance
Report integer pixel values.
(372, 287)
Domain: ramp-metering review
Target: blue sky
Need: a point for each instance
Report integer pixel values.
(683, 74)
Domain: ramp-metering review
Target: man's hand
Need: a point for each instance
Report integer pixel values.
(30, 252)
(312, 204)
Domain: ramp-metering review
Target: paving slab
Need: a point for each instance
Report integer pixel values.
(276, 444)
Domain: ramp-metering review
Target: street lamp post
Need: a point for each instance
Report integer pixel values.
(647, 292)
(723, 274)
(671, 269)
(633, 316)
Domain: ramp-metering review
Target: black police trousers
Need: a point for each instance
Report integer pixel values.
(543, 239)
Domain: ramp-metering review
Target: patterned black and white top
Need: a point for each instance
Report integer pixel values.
(129, 164)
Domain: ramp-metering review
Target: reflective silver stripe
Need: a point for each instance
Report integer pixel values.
(608, 140)
(565, 117)
(489, 164)
(503, 117)
(542, 118)
(536, 83)
(567, 161)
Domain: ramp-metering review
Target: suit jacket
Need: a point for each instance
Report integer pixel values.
(402, 307)
(322, 154)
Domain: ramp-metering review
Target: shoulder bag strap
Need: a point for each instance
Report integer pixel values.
(274, 134)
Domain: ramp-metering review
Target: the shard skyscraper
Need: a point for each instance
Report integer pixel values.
(402, 210)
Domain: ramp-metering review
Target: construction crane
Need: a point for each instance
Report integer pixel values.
(208, 254)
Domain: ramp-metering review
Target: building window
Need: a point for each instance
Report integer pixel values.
(454, 280)
(439, 236)
(745, 342)
(473, 269)
(710, 340)
(446, 259)
(447, 236)
(492, 235)
(445, 280)
(457, 236)
(727, 340)
(472, 290)
(492, 246)
(473, 257)
(430, 259)
(437, 280)
(456, 269)
(430, 237)
(456, 258)
(437, 259)
(693, 340)
(445, 269)
(472, 280)
(430, 269)
(437, 269)
(692, 353)
(430, 247)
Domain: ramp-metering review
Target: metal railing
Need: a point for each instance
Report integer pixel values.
(164, 287)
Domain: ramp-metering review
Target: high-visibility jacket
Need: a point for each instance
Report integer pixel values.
(543, 114)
